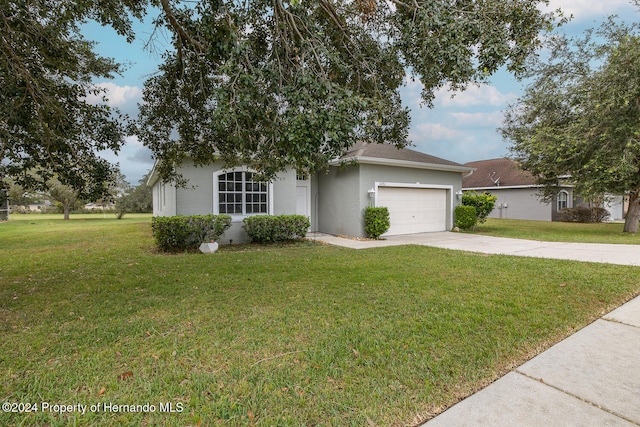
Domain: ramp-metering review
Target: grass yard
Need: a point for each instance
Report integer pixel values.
(84, 216)
(605, 232)
(299, 334)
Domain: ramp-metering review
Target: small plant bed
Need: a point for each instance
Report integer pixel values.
(558, 231)
(287, 335)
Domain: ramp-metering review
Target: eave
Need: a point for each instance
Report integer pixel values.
(401, 163)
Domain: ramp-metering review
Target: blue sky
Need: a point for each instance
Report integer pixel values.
(461, 129)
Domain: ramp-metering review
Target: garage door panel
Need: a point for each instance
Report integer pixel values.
(414, 210)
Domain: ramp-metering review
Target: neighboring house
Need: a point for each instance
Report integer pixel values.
(420, 191)
(43, 206)
(99, 206)
(518, 193)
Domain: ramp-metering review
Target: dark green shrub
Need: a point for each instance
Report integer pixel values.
(376, 221)
(584, 214)
(269, 229)
(181, 233)
(484, 203)
(466, 217)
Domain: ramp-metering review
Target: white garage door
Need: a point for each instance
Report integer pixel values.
(414, 210)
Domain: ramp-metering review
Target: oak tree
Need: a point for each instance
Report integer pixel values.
(47, 68)
(292, 83)
(579, 118)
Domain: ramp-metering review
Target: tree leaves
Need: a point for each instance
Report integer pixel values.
(46, 70)
(580, 117)
(274, 84)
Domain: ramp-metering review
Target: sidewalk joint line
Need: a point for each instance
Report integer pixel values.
(595, 405)
(619, 322)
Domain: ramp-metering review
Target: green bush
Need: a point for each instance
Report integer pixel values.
(269, 229)
(376, 221)
(466, 217)
(584, 214)
(181, 233)
(484, 203)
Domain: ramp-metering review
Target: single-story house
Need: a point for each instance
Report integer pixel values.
(99, 206)
(518, 194)
(420, 191)
(42, 206)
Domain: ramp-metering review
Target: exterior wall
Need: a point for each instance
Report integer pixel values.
(343, 193)
(338, 202)
(284, 193)
(164, 199)
(375, 173)
(198, 197)
(524, 203)
(520, 203)
(338, 197)
(615, 206)
(315, 196)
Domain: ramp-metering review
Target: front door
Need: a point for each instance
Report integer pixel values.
(303, 197)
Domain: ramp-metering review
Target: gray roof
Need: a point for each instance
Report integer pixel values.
(390, 152)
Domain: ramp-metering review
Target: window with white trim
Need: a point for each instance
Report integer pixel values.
(239, 194)
(563, 200)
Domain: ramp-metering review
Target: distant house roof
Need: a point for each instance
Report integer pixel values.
(387, 154)
(497, 173)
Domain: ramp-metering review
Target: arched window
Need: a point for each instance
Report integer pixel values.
(238, 194)
(563, 200)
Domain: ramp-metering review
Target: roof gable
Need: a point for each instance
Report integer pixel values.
(497, 173)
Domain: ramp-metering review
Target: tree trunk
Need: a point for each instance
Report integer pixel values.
(66, 208)
(633, 214)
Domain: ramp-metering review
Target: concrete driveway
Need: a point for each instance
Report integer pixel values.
(588, 252)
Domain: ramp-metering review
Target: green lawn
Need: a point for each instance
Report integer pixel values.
(558, 231)
(97, 215)
(300, 334)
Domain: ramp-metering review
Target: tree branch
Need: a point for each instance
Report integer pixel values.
(179, 29)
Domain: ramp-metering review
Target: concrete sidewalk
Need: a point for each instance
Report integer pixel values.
(588, 252)
(591, 378)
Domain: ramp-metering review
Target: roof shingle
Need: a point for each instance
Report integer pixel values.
(497, 173)
(389, 151)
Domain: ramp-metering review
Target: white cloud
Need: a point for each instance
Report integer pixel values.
(457, 146)
(435, 131)
(118, 96)
(489, 119)
(586, 9)
(133, 141)
(411, 92)
(133, 159)
(482, 95)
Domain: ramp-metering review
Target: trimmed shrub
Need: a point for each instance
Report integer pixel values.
(376, 221)
(466, 217)
(584, 214)
(278, 228)
(181, 233)
(484, 203)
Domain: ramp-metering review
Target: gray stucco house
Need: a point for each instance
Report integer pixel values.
(420, 191)
(518, 193)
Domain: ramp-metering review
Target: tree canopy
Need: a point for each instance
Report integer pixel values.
(579, 118)
(47, 124)
(264, 83)
(275, 83)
